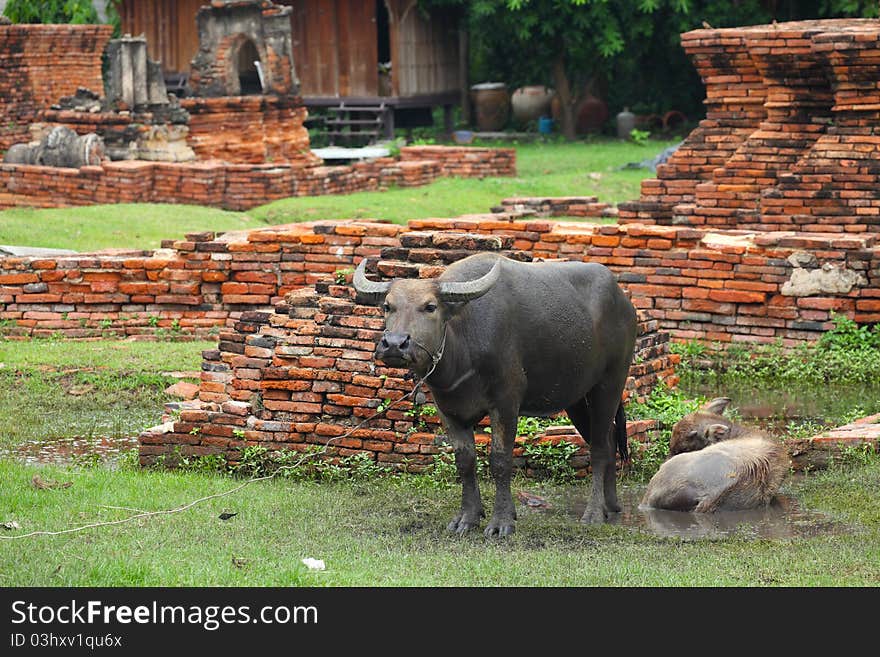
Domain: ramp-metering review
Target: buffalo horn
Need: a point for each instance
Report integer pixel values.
(467, 290)
(364, 285)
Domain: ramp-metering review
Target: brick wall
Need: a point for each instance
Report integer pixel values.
(303, 374)
(808, 163)
(720, 285)
(558, 206)
(41, 63)
(734, 102)
(249, 129)
(236, 186)
(464, 161)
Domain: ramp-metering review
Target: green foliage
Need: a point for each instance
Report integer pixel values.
(529, 427)
(847, 354)
(628, 51)
(129, 461)
(666, 406)
(339, 276)
(847, 335)
(51, 11)
(862, 455)
(311, 464)
(639, 137)
(442, 471)
(205, 463)
(551, 458)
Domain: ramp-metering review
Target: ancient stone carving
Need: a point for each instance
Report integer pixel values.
(826, 279)
(62, 147)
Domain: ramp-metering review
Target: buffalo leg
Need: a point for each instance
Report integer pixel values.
(471, 511)
(503, 520)
(594, 420)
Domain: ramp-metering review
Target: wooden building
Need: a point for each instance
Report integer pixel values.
(379, 61)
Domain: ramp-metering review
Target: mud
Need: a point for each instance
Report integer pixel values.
(105, 451)
(782, 519)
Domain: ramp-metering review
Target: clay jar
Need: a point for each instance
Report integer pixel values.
(591, 115)
(531, 103)
(491, 104)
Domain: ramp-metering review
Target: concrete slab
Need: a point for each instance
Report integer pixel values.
(343, 153)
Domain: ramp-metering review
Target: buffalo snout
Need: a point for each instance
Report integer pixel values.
(395, 349)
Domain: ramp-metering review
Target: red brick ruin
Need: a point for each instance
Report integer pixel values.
(250, 149)
(758, 228)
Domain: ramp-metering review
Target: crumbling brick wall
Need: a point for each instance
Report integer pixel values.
(725, 285)
(809, 163)
(302, 374)
(250, 129)
(41, 63)
(237, 186)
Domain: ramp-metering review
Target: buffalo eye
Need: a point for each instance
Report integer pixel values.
(430, 307)
(386, 307)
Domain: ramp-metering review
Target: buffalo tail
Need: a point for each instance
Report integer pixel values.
(620, 434)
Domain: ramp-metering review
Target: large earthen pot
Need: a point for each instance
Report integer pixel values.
(491, 104)
(592, 114)
(530, 103)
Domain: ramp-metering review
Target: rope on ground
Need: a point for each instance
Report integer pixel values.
(252, 480)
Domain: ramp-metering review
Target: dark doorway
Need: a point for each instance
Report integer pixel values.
(246, 63)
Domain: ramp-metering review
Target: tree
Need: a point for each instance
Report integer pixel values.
(51, 11)
(625, 51)
(568, 43)
(63, 12)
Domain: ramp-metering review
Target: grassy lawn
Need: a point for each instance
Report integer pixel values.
(84, 389)
(544, 169)
(119, 226)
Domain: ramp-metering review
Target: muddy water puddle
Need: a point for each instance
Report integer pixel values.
(102, 450)
(783, 519)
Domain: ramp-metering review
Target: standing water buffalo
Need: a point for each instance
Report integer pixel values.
(505, 338)
(717, 465)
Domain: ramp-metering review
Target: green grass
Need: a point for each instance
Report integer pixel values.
(544, 169)
(371, 531)
(117, 226)
(390, 532)
(63, 389)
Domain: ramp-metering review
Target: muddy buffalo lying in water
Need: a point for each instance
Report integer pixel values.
(717, 465)
(504, 338)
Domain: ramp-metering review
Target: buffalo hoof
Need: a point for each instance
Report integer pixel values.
(594, 516)
(461, 525)
(500, 528)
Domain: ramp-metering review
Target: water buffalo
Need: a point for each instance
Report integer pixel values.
(704, 427)
(718, 466)
(504, 338)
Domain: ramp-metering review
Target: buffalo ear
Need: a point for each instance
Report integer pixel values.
(717, 405)
(716, 432)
